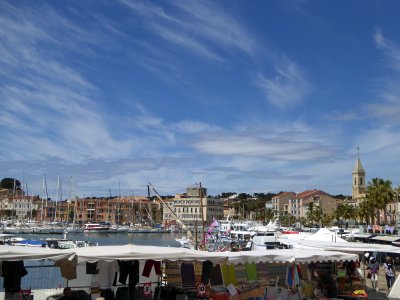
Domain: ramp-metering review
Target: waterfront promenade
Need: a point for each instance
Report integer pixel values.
(382, 287)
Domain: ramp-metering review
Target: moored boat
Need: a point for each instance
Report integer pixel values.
(96, 227)
(73, 229)
(119, 229)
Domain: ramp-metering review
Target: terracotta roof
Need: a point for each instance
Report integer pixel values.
(280, 195)
(311, 193)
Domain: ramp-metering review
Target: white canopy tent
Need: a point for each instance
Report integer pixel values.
(395, 290)
(33, 253)
(340, 246)
(322, 234)
(134, 252)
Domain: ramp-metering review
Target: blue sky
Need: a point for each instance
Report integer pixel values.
(258, 96)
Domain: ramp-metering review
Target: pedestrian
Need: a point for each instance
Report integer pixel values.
(390, 273)
(373, 271)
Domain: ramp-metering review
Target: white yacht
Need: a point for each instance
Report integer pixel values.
(96, 227)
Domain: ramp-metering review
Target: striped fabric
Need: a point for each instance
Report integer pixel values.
(173, 274)
(262, 270)
(241, 274)
(228, 273)
(188, 276)
(198, 269)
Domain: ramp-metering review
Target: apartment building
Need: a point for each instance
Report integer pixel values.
(280, 203)
(326, 202)
(193, 207)
(127, 209)
(16, 205)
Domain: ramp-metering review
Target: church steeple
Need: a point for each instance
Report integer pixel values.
(358, 190)
(358, 167)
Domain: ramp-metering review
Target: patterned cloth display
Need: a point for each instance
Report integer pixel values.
(188, 276)
(173, 273)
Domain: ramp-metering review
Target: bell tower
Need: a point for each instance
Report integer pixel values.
(358, 190)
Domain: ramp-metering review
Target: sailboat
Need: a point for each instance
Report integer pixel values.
(74, 228)
(42, 228)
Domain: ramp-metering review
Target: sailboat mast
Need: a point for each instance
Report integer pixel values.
(43, 194)
(108, 211)
(31, 206)
(26, 196)
(202, 214)
(69, 197)
(119, 202)
(76, 202)
(58, 195)
(47, 195)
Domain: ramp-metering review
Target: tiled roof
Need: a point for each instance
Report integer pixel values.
(311, 193)
(280, 195)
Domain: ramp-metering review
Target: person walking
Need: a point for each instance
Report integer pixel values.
(390, 273)
(373, 271)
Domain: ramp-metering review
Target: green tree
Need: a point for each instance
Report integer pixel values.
(269, 214)
(287, 220)
(247, 205)
(8, 183)
(314, 214)
(380, 194)
(71, 215)
(366, 211)
(345, 212)
(326, 219)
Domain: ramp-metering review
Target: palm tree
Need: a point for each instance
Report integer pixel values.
(287, 220)
(269, 214)
(345, 212)
(396, 194)
(326, 219)
(365, 211)
(380, 193)
(314, 213)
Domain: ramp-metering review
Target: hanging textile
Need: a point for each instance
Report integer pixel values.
(173, 274)
(188, 276)
(67, 268)
(107, 270)
(216, 276)
(228, 273)
(251, 270)
(13, 271)
(241, 274)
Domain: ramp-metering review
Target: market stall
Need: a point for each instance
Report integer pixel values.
(118, 272)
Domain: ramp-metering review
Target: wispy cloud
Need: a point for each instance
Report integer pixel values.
(276, 142)
(390, 49)
(202, 28)
(388, 109)
(45, 95)
(287, 88)
(267, 148)
(214, 24)
(344, 116)
(191, 126)
(186, 42)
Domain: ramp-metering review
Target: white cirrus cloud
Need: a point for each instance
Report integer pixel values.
(287, 88)
(200, 27)
(388, 109)
(268, 148)
(390, 49)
